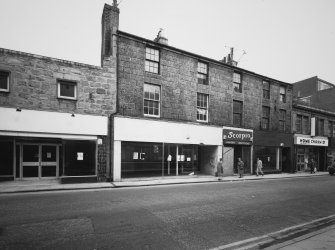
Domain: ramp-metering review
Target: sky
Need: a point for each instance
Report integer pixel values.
(288, 40)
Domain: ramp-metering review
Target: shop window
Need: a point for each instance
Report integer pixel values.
(67, 89)
(152, 60)
(266, 90)
(237, 113)
(282, 120)
(79, 158)
(298, 123)
(202, 73)
(282, 94)
(305, 125)
(141, 159)
(4, 81)
(268, 155)
(265, 118)
(237, 78)
(151, 105)
(202, 107)
(6, 158)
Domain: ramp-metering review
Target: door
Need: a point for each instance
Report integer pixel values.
(300, 162)
(30, 161)
(186, 159)
(49, 161)
(39, 161)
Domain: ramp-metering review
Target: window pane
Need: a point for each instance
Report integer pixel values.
(237, 87)
(266, 85)
(237, 107)
(4, 77)
(67, 89)
(237, 77)
(282, 90)
(237, 119)
(202, 68)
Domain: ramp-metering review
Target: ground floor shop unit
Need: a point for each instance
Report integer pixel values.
(152, 148)
(237, 143)
(331, 151)
(35, 145)
(309, 148)
(274, 149)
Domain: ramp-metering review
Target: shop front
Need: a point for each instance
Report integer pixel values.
(274, 149)
(58, 146)
(308, 148)
(148, 148)
(331, 151)
(237, 143)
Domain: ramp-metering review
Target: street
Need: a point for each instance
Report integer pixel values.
(192, 216)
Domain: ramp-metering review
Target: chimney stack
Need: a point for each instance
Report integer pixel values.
(161, 38)
(110, 26)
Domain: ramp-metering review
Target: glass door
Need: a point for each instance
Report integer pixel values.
(39, 161)
(49, 161)
(30, 161)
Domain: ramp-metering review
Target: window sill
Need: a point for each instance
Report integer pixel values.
(66, 98)
(152, 116)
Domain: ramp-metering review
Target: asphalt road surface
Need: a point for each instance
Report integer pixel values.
(192, 216)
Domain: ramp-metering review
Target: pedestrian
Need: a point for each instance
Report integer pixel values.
(259, 167)
(312, 166)
(240, 167)
(220, 169)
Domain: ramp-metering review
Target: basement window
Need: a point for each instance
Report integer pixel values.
(4, 81)
(67, 89)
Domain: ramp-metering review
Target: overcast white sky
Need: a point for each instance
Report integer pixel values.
(288, 40)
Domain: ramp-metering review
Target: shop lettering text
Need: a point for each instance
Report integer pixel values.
(311, 141)
(229, 135)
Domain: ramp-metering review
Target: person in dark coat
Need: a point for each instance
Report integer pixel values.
(220, 169)
(240, 167)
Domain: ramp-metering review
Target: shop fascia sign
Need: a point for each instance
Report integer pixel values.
(234, 136)
(310, 141)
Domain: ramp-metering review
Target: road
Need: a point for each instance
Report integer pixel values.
(192, 216)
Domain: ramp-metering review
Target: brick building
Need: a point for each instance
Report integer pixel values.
(179, 112)
(54, 117)
(314, 136)
(315, 92)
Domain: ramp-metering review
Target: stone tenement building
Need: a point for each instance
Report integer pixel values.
(149, 110)
(179, 112)
(54, 117)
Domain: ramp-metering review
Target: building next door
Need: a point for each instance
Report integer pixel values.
(38, 161)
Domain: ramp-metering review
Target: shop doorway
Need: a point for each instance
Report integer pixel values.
(180, 159)
(38, 160)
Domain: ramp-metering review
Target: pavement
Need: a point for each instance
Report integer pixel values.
(318, 234)
(22, 186)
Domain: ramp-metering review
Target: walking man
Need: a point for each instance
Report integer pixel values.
(240, 167)
(220, 169)
(259, 167)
